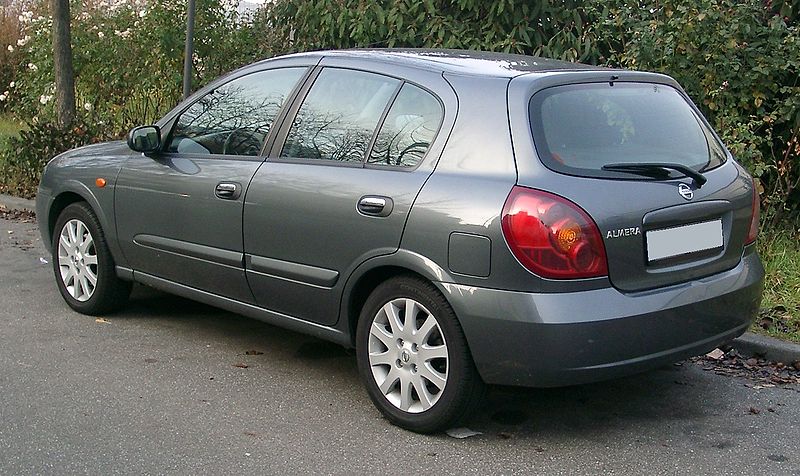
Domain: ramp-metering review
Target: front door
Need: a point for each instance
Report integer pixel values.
(179, 214)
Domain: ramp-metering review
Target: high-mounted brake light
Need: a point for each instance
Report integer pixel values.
(551, 236)
(754, 218)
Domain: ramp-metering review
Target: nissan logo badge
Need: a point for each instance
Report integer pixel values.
(685, 191)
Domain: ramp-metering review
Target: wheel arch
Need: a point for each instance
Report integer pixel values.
(74, 191)
(60, 202)
(370, 274)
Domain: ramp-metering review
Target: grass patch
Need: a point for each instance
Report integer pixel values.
(780, 316)
(8, 128)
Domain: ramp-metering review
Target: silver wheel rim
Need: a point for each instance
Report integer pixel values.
(77, 260)
(408, 355)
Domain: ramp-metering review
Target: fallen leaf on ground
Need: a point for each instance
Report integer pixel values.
(253, 352)
(102, 320)
(715, 354)
(754, 411)
(241, 365)
(762, 372)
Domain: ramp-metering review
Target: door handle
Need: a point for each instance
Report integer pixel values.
(228, 190)
(375, 206)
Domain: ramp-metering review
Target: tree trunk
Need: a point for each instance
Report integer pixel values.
(62, 62)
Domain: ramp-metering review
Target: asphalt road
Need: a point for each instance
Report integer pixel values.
(156, 390)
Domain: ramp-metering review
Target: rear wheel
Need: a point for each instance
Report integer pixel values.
(413, 357)
(82, 263)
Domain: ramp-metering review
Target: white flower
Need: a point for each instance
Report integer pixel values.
(12, 84)
(10, 48)
(44, 99)
(142, 13)
(3, 97)
(101, 35)
(87, 106)
(33, 67)
(23, 41)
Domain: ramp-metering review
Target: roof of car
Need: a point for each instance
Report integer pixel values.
(461, 61)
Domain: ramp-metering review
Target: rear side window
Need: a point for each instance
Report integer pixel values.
(580, 128)
(408, 129)
(236, 117)
(339, 116)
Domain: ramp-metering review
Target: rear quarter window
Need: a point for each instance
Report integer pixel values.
(579, 128)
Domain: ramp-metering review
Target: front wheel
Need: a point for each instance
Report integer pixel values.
(413, 357)
(83, 265)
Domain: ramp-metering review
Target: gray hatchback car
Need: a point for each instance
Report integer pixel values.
(459, 218)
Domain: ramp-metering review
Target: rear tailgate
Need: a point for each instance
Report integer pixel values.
(632, 215)
(657, 231)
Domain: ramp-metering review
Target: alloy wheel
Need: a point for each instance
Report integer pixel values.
(77, 260)
(408, 355)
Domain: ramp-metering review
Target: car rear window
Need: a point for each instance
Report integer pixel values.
(579, 128)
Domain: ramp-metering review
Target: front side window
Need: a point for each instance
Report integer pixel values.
(236, 117)
(582, 127)
(339, 116)
(408, 130)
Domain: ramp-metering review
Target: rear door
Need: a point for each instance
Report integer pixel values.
(179, 214)
(659, 226)
(339, 183)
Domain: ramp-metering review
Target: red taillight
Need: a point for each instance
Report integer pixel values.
(552, 236)
(756, 215)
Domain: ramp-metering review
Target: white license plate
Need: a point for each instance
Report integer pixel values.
(683, 240)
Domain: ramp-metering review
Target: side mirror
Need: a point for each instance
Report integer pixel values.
(145, 139)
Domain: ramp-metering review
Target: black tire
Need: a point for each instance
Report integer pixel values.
(109, 292)
(463, 390)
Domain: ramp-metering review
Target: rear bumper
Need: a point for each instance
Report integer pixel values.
(547, 340)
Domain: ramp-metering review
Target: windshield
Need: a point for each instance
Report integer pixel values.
(580, 128)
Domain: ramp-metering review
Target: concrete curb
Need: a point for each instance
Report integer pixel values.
(16, 203)
(749, 344)
(756, 345)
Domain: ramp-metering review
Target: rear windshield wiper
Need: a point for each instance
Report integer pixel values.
(657, 170)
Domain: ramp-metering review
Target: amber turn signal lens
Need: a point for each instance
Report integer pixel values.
(100, 182)
(567, 236)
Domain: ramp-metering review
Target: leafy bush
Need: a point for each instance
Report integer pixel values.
(554, 28)
(128, 57)
(10, 54)
(22, 158)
